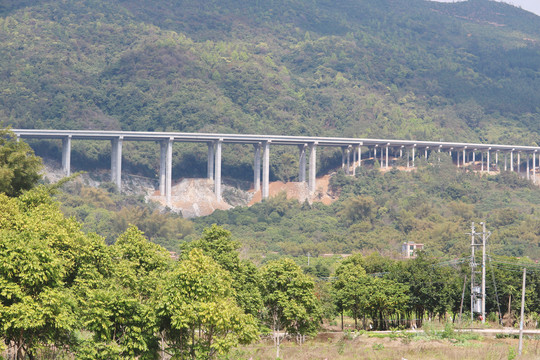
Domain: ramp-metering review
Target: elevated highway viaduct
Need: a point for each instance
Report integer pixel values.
(464, 153)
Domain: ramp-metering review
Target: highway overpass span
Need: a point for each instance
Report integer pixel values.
(463, 153)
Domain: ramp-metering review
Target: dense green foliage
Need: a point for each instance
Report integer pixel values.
(19, 167)
(63, 289)
(433, 205)
(396, 69)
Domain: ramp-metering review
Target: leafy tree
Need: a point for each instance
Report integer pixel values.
(351, 290)
(41, 255)
(217, 243)
(120, 310)
(19, 167)
(197, 310)
(289, 299)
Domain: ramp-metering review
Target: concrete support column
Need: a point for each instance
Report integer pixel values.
(497, 160)
(360, 156)
(375, 153)
(348, 153)
(217, 172)
(168, 173)
(382, 161)
(302, 163)
(488, 162)
(408, 158)
(356, 157)
(425, 152)
(528, 169)
(482, 160)
(66, 155)
(457, 158)
(210, 165)
(343, 157)
(505, 161)
(312, 168)
(116, 162)
(474, 157)
(401, 152)
(534, 167)
(257, 167)
(266, 170)
(511, 161)
(464, 157)
(413, 155)
(519, 162)
(163, 167)
(387, 156)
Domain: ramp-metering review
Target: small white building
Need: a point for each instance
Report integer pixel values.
(409, 249)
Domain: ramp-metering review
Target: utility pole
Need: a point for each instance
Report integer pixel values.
(473, 270)
(478, 293)
(520, 347)
(483, 272)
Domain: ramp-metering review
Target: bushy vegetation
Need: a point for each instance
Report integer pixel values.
(377, 211)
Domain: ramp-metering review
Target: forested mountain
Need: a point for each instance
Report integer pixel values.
(417, 69)
(413, 69)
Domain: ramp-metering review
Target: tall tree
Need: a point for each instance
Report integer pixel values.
(19, 167)
(217, 243)
(198, 312)
(289, 299)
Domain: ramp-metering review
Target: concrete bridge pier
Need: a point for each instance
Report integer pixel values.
(496, 160)
(165, 170)
(343, 157)
(116, 162)
(360, 155)
(257, 167)
(534, 166)
(519, 162)
(266, 170)
(66, 155)
(302, 163)
(217, 172)
(512, 160)
(312, 168)
(210, 161)
(488, 162)
(482, 161)
(386, 164)
(348, 152)
(413, 155)
(528, 169)
(464, 156)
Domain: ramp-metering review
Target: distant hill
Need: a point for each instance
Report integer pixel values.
(464, 71)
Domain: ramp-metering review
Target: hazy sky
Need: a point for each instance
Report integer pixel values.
(529, 5)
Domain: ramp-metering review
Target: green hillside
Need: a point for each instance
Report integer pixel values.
(397, 69)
